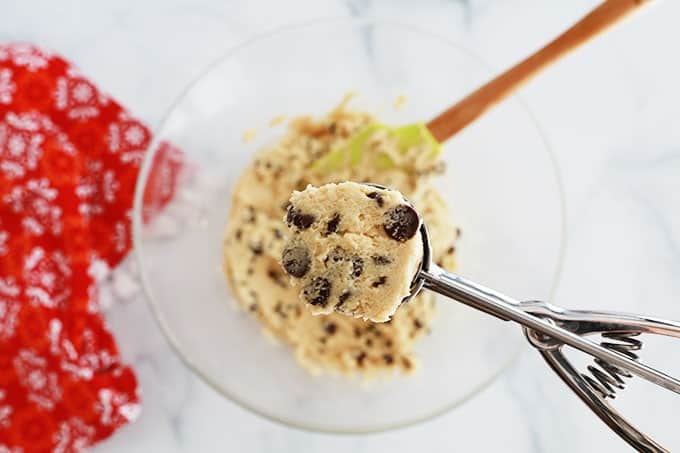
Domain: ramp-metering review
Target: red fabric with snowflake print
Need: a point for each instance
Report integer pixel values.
(69, 158)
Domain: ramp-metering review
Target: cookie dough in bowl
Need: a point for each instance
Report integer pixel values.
(412, 360)
(257, 234)
(354, 249)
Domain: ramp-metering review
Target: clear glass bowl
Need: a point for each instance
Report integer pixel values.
(501, 182)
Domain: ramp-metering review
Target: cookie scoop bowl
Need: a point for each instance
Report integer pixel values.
(501, 182)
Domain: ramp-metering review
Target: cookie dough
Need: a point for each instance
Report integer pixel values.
(354, 249)
(256, 235)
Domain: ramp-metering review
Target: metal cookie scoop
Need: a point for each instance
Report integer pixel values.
(549, 328)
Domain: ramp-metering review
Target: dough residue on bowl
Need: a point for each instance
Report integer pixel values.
(256, 234)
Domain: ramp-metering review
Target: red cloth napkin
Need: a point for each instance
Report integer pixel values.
(69, 158)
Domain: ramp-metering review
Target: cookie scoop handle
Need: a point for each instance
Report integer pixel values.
(457, 117)
(506, 308)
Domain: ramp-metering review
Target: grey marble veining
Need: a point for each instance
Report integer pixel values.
(610, 112)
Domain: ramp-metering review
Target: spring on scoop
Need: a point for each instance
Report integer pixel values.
(605, 378)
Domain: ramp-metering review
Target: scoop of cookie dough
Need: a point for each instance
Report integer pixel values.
(354, 249)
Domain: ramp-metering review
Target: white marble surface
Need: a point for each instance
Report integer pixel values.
(610, 111)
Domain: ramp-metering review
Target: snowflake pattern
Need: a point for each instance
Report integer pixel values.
(7, 87)
(69, 158)
(21, 139)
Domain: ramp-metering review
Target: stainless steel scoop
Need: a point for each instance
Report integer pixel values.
(549, 328)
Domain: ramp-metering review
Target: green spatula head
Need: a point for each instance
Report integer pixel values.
(355, 150)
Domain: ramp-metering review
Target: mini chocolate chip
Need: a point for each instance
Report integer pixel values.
(253, 295)
(332, 128)
(333, 223)
(360, 358)
(238, 234)
(459, 232)
(277, 233)
(250, 271)
(278, 309)
(251, 215)
(439, 263)
(299, 219)
(277, 277)
(257, 249)
(336, 255)
(369, 342)
(377, 197)
(388, 344)
(252, 307)
(357, 332)
(381, 260)
(343, 298)
(322, 340)
(331, 328)
(301, 184)
(357, 266)
(401, 222)
(406, 363)
(317, 291)
(388, 358)
(295, 260)
(451, 250)
(417, 324)
(379, 282)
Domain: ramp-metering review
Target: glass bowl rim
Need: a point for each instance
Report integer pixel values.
(148, 161)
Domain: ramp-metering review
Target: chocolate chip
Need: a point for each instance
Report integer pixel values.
(381, 260)
(277, 233)
(299, 219)
(377, 197)
(357, 332)
(295, 260)
(331, 328)
(401, 222)
(417, 324)
(360, 358)
(388, 358)
(332, 128)
(238, 234)
(357, 266)
(252, 307)
(317, 291)
(388, 344)
(333, 223)
(451, 250)
(343, 298)
(379, 282)
(368, 342)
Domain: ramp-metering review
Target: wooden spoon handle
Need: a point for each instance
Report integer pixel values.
(449, 122)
